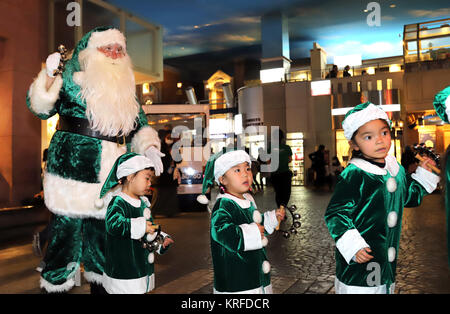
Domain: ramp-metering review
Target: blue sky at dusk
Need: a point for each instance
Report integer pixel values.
(340, 26)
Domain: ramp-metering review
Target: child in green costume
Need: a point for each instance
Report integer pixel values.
(237, 228)
(128, 266)
(365, 212)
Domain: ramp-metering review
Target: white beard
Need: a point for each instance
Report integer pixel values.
(108, 87)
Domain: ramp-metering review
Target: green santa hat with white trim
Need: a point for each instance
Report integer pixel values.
(125, 165)
(442, 104)
(360, 115)
(216, 167)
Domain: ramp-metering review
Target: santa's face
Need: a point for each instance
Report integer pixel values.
(113, 51)
(108, 87)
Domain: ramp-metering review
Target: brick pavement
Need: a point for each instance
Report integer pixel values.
(303, 264)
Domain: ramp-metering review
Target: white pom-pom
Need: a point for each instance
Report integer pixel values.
(392, 219)
(99, 203)
(391, 185)
(147, 213)
(151, 258)
(257, 217)
(391, 254)
(151, 236)
(202, 199)
(266, 267)
(264, 241)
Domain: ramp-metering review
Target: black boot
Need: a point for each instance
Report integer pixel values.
(97, 289)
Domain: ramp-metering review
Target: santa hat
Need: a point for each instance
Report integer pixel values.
(216, 167)
(360, 115)
(125, 165)
(442, 104)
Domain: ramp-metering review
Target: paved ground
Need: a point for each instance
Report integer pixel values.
(303, 264)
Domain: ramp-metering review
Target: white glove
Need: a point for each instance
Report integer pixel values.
(155, 155)
(52, 63)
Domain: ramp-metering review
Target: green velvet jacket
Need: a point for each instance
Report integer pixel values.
(125, 258)
(366, 210)
(235, 268)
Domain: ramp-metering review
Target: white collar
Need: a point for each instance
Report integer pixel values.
(391, 166)
(247, 203)
(132, 201)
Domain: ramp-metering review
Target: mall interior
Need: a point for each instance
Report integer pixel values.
(298, 97)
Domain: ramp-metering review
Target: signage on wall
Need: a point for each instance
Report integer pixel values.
(320, 88)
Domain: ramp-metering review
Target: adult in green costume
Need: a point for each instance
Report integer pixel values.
(99, 120)
(442, 105)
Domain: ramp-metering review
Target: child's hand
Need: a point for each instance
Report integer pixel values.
(280, 213)
(426, 163)
(261, 230)
(362, 255)
(150, 228)
(167, 242)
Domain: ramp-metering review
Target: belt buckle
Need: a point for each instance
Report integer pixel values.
(118, 141)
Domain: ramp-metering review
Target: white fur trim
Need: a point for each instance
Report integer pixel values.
(42, 101)
(143, 139)
(242, 203)
(92, 277)
(76, 199)
(104, 38)
(151, 236)
(341, 288)
(260, 290)
(229, 160)
(133, 165)
(252, 237)
(128, 286)
(350, 243)
(270, 221)
(138, 227)
(357, 119)
(391, 166)
(44, 284)
(426, 178)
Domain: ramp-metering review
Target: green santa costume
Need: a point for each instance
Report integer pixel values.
(80, 156)
(238, 253)
(128, 266)
(366, 211)
(442, 105)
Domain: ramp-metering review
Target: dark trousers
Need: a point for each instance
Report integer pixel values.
(282, 185)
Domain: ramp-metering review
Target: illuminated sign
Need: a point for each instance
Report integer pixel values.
(320, 88)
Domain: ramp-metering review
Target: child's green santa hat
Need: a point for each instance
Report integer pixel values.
(442, 104)
(125, 165)
(360, 115)
(216, 167)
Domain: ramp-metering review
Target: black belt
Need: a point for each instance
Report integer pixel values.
(81, 126)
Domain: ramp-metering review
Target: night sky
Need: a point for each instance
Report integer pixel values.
(339, 26)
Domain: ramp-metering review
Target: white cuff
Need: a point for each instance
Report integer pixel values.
(270, 221)
(165, 235)
(252, 237)
(426, 178)
(350, 243)
(138, 226)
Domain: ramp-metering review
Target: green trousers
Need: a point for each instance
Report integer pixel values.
(73, 241)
